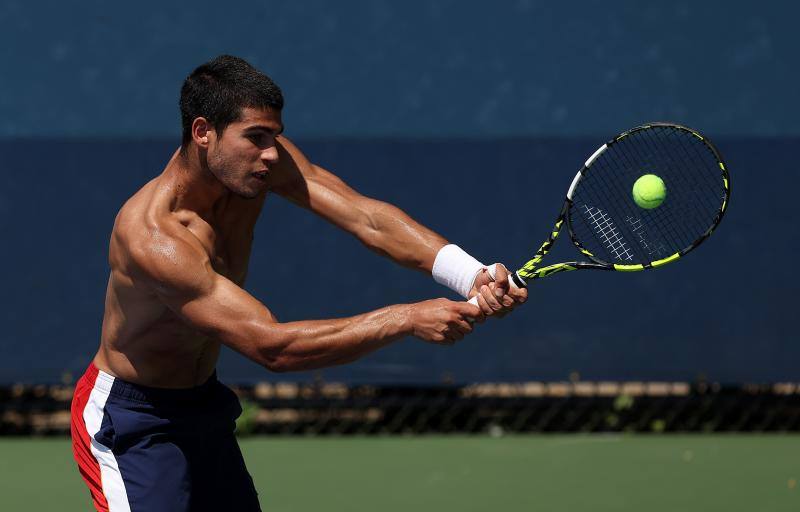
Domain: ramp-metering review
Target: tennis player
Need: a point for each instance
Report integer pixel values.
(152, 427)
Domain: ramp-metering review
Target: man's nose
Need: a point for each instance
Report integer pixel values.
(270, 155)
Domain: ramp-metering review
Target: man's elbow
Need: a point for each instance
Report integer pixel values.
(276, 367)
(272, 348)
(282, 354)
(288, 364)
(278, 364)
(275, 359)
(368, 229)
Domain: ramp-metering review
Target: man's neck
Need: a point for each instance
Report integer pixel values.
(194, 186)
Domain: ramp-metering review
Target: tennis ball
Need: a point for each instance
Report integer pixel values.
(649, 191)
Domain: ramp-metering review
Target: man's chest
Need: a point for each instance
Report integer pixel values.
(228, 247)
(231, 260)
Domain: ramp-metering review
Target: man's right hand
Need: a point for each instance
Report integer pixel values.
(443, 321)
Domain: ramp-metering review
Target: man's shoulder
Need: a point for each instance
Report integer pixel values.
(151, 242)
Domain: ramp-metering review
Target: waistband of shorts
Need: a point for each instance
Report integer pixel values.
(114, 386)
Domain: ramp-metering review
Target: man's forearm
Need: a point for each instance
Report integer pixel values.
(391, 232)
(310, 344)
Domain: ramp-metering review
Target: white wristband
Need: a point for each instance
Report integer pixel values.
(456, 269)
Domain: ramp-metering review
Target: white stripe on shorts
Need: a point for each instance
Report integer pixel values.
(110, 477)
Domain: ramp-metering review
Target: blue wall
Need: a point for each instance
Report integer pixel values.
(409, 101)
(726, 310)
(413, 68)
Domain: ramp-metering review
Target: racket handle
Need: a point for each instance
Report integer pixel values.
(493, 272)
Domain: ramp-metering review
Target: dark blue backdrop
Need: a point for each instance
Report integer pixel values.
(431, 105)
(385, 68)
(726, 311)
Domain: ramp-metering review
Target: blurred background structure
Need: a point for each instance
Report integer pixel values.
(436, 106)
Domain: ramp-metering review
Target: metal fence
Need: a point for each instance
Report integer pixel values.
(491, 408)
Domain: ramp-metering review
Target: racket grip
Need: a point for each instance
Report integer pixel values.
(493, 272)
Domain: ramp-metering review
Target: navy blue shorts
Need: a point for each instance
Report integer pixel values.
(152, 449)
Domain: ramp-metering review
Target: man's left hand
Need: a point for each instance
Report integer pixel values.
(497, 296)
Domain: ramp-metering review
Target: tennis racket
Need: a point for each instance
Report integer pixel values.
(607, 225)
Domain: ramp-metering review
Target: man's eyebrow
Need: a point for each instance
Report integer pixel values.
(264, 128)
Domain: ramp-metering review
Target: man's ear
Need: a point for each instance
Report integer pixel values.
(200, 131)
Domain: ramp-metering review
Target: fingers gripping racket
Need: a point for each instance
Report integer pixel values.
(642, 200)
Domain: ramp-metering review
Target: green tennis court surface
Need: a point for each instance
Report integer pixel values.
(525, 473)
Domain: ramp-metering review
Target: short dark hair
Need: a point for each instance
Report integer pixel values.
(218, 91)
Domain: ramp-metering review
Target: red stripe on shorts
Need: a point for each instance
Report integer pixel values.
(81, 442)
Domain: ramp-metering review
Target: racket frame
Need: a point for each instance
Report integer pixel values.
(531, 269)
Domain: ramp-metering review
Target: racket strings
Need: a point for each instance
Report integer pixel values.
(659, 218)
(674, 158)
(657, 223)
(610, 193)
(604, 196)
(607, 221)
(685, 161)
(653, 248)
(607, 232)
(703, 194)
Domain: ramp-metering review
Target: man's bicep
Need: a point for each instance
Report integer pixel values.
(382, 227)
(185, 282)
(335, 201)
(226, 312)
(320, 191)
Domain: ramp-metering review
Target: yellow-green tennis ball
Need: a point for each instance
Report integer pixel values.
(649, 191)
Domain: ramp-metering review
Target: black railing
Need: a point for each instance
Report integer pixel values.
(338, 409)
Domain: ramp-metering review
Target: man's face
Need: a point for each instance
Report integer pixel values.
(242, 157)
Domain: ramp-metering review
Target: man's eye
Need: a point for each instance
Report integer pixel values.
(259, 138)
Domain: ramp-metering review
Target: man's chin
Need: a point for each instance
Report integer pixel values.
(249, 191)
(247, 194)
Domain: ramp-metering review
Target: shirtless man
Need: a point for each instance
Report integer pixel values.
(152, 427)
